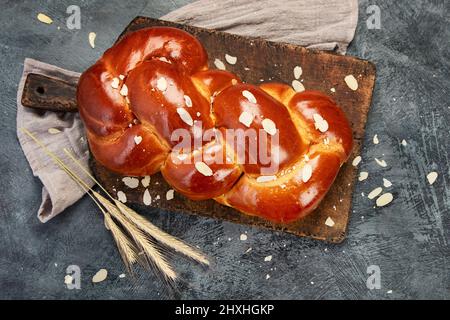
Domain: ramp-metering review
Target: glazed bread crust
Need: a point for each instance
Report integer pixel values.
(156, 81)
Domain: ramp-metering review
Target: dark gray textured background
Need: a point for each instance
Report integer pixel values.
(408, 240)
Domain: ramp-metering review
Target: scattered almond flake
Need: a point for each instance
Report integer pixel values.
(250, 97)
(147, 198)
(262, 179)
(298, 72)
(230, 59)
(432, 176)
(375, 139)
(269, 126)
(203, 169)
(404, 142)
(115, 83)
(333, 90)
(386, 183)
(246, 68)
(246, 118)
(161, 84)
(198, 114)
(187, 101)
(298, 86)
(100, 276)
(157, 197)
(351, 82)
(374, 193)
(384, 199)
(121, 196)
(320, 123)
(219, 64)
(92, 37)
(363, 175)
(185, 116)
(53, 131)
(268, 258)
(170, 194)
(356, 161)
(234, 82)
(122, 275)
(164, 59)
(121, 76)
(243, 237)
(131, 182)
(267, 276)
(145, 181)
(326, 141)
(329, 222)
(389, 291)
(381, 163)
(306, 172)
(44, 18)
(68, 279)
(137, 139)
(124, 90)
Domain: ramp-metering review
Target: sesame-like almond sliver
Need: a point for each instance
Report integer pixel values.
(170, 194)
(246, 118)
(147, 198)
(44, 18)
(250, 97)
(137, 139)
(121, 196)
(329, 222)
(374, 193)
(363, 175)
(203, 168)
(230, 59)
(100, 276)
(298, 86)
(219, 64)
(351, 82)
(130, 182)
(381, 163)
(298, 72)
(187, 101)
(306, 172)
(269, 126)
(384, 199)
(92, 37)
(185, 116)
(356, 161)
(431, 177)
(262, 179)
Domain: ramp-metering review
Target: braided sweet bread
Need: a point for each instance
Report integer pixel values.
(154, 85)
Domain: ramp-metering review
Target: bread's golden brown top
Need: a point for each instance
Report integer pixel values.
(155, 81)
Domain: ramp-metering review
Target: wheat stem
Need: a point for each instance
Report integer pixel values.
(146, 225)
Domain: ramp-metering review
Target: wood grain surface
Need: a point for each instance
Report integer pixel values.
(261, 61)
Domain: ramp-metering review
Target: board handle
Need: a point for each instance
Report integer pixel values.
(45, 93)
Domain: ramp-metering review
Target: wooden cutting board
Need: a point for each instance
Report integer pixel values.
(258, 61)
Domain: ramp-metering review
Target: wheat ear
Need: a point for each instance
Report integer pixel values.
(146, 225)
(126, 248)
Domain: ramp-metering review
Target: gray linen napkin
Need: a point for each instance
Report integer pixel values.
(319, 24)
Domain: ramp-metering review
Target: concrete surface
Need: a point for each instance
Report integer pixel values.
(408, 240)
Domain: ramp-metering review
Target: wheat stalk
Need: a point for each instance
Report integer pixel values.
(126, 248)
(145, 244)
(146, 225)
